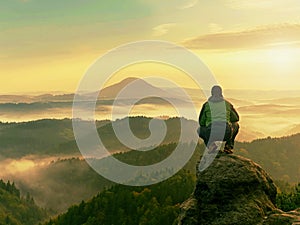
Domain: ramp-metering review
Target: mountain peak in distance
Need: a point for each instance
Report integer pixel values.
(138, 87)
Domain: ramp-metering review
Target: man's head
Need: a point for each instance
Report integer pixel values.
(216, 91)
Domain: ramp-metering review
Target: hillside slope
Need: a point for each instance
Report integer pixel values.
(16, 210)
(155, 204)
(279, 156)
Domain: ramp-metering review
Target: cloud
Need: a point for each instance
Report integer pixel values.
(162, 29)
(259, 37)
(188, 4)
(16, 167)
(214, 28)
(260, 4)
(250, 4)
(20, 166)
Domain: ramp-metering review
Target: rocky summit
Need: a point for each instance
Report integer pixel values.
(234, 191)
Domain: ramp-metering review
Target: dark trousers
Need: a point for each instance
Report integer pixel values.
(218, 133)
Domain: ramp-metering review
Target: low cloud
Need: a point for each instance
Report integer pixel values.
(10, 168)
(270, 110)
(45, 179)
(162, 29)
(259, 37)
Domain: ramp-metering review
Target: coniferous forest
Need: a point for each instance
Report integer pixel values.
(151, 205)
(17, 210)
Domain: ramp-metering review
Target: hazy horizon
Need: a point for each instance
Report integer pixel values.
(263, 113)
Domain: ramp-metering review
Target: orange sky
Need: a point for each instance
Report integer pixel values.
(248, 44)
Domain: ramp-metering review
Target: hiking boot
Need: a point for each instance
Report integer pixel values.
(228, 150)
(212, 148)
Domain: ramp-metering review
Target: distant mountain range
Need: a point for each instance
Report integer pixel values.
(263, 113)
(240, 97)
(136, 85)
(35, 98)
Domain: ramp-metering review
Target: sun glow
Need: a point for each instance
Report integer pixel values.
(284, 58)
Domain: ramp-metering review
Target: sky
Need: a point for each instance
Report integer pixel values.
(47, 46)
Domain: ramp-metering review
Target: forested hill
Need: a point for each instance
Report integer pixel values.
(55, 137)
(151, 205)
(155, 204)
(65, 182)
(278, 156)
(40, 137)
(17, 210)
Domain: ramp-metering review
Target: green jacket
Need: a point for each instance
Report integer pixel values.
(217, 109)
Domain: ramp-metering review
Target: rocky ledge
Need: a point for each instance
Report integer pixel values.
(234, 190)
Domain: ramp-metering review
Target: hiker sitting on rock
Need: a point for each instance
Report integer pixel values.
(218, 121)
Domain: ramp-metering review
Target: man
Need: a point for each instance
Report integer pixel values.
(218, 121)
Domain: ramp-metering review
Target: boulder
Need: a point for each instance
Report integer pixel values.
(234, 190)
